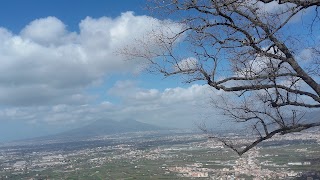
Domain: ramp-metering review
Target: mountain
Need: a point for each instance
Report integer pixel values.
(95, 129)
(107, 127)
(311, 117)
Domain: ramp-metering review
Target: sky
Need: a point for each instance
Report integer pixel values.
(60, 70)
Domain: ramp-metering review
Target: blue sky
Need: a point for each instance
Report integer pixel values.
(16, 14)
(60, 70)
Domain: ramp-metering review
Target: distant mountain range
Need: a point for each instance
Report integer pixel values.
(109, 127)
(310, 117)
(105, 127)
(95, 129)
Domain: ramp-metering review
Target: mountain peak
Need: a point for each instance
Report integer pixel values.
(107, 127)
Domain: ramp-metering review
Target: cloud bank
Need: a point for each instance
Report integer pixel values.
(47, 73)
(45, 64)
(172, 107)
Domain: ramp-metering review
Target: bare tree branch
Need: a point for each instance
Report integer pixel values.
(242, 48)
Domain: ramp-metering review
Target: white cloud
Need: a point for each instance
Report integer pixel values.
(272, 7)
(47, 64)
(45, 31)
(283, 10)
(173, 107)
(128, 91)
(186, 64)
(47, 69)
(306, 55)
(132, 94)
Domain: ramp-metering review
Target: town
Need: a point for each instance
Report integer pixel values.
(155, 155)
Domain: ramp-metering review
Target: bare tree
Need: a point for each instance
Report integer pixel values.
(248, 48)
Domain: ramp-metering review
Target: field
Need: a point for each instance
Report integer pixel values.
(185, 156)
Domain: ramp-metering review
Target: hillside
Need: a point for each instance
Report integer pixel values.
(107, 127)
